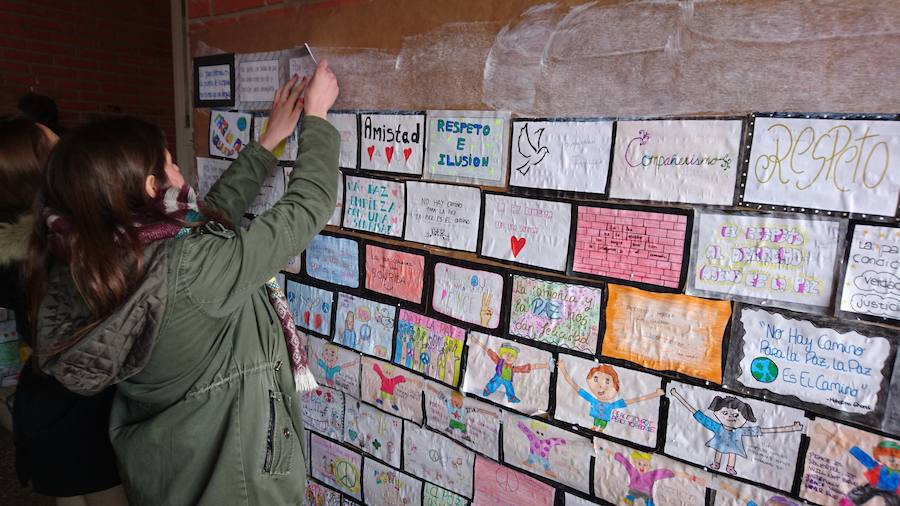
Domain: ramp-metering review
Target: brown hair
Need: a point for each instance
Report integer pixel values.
(607, 370)
(24, 148)
(95, 178)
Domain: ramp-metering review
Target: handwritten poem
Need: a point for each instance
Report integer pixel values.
(872, 279)
(374, 205)
(257, 80)
(215, 82)
(443, 215)
(333, 260)
(396, 273)
(467, 146)
(528, 231)
(556, 313)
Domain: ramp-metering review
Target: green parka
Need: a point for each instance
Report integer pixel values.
(206, 411)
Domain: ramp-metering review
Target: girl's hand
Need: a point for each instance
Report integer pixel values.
(323, 91)
(285, 113)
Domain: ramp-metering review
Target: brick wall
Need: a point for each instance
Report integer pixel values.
(94, 57)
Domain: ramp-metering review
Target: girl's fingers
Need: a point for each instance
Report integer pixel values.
(296, 91)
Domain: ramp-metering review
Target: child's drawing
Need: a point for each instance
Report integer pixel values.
(333, 366)
(392, 389)
(508, 373)
(473, 423)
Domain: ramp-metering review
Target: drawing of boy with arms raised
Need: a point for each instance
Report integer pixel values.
(458, 414)
(504, 359)
(328, 363)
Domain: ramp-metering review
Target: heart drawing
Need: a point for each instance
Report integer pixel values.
(371, 150)
(407, 153)
(516, 244)
(389, 153)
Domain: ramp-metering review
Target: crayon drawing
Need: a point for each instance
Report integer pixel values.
(364, 325)
(547, 451)
(374, 432)
(334, 366)
(391, 389)
(311, 307)
(323, 411)
(508, 373)
(437, 459)
(336, 466)
(386, 486)
(473, 423)
(429, 346)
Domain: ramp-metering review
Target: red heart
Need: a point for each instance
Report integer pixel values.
(318, 322)
(389, 153)
(407, 153)
(306, 317)
(371, 150)
(516, 244)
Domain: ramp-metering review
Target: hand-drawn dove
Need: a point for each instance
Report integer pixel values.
(533, 155)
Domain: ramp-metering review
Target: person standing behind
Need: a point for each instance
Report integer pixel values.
(134, 283)
(62, 439)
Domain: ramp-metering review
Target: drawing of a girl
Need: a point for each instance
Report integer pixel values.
(349, 338)
(729, 427)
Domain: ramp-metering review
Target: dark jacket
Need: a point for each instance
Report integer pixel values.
(206, 411)
(14, 231)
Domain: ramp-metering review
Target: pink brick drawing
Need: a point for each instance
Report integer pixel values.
(636, 246)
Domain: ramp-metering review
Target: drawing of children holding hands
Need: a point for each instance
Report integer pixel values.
(328, 363)
(539, 446)
(505, 360)
(458, 414)
(642, 478)
(729, 427)
(602, 393)
(389, 383)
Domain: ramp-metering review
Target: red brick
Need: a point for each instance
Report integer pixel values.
(199, 8)
(11, 66)
(26, 56)
(229, 6)
(72, 62)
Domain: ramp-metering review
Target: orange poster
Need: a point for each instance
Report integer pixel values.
(666, 332)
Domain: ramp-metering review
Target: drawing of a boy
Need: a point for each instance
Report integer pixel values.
(539, 446)
(504, 361)
(458, 414)
(641, 479)
(882, 475)
(603, 397)
(389, 382)
(328, 363)
(729, 427)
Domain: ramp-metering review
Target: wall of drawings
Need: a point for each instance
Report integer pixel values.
(646, 311)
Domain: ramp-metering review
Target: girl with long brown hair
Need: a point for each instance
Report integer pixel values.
(136, 285)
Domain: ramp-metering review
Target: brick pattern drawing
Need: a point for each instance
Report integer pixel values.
(638, 246)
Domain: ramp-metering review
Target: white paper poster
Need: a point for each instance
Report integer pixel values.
(311, 307)
(322, 410)
(374, 432)
(229, 132)
(574, 500)
(831, 164)
(765, 258)
(547, 451)
(433, 495)
(257, 80)
(392, 143)
(286, 150)
(365, 325)
(839, 370)
(872, 279)
(738, 493)
(752, 439)
(437, 459)
(391, 389)
(528, 231)
(616, 401)
(336, 466)
(374, 205)
(386, 486)
(627, 477)
(561, 155)
(346, 125)
(443, 215)
(469, 295)
(214, 82)
(508, 373)
(334, 366)
(209, 170)
(467, 146)
(691, 161)
(473, 423)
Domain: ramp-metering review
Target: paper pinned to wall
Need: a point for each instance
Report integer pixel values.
(286, 150)
(691, 161)
(396, 273)
(429, 346)
(311, 307)
(443, 215)
(334, 260)
(473, 423)
(845, 463)
(467, 146)
(392, 143)
(437, 459)
(547, 451)
(621, 472)
(766, 259)
(469, 295)
(336, 466)
(433, 495)
(229, 132)
(347, 126)
(514, 375)
(365, 325)
(556, 313)
(334, 366)
(561, 155)
(666, 332)
(215, 82)
(320, 495)
(633, 245)
(871, 284)
(374, 432)
(338, 205)
(391, 389)
(322, 410)
(497, 484)
(737, 493)
(209, 170)
(574, 500)
(789, 156)
(527, 231)
(838, 368)
(386, 485)
(615, 401)
(374, 205)
(751, 439)
(257, 80)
